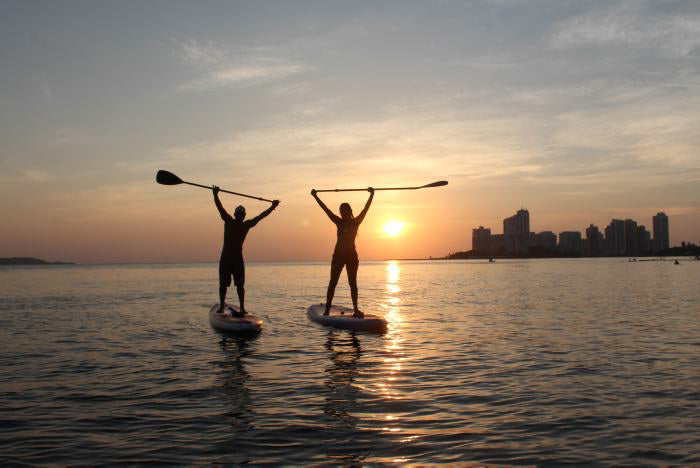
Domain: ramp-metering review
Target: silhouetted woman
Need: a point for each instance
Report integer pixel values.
(344, 254)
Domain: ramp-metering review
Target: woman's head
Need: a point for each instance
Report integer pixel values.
(346, 211)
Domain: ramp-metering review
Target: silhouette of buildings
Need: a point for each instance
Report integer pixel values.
(643, 240)
(594, 244)
(481, 240)
(631, 246)
(570, 242)
(546, 240)
(661, 237)
(615, 237)
(516, 231)
(620, 237)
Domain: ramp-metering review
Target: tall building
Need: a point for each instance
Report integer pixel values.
(594, 241)
(481, 240)
(516, 231)
(615, 237)
(570, 241)
(643, 240)
(498, 243)
(546, 239)
(661, 237)
(631, 244)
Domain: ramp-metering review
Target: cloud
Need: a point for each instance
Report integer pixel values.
(388, 150)
(244, 75)
(630, 25)
(27, 176)
(200, 54)
(225, 69)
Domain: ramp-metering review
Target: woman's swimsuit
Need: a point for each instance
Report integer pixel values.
(344, 252)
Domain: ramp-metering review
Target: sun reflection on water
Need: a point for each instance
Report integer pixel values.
(388, 381)
(392, 301)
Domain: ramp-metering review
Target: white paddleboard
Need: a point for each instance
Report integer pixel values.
(341, 317)
(228, 323)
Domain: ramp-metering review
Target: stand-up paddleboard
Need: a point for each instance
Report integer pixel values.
(227, 322)
(341, 317)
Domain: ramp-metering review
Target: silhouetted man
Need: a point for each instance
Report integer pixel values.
(231, 262)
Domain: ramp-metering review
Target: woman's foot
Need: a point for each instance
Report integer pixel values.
(358, 314)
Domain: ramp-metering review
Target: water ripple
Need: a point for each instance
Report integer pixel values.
(583, 362)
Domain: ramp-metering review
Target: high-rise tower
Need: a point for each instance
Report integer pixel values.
(661, 237)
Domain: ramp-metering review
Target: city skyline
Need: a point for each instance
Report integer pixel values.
(620, 237)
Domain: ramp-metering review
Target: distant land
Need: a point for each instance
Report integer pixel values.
(686, 249)
(29, 261)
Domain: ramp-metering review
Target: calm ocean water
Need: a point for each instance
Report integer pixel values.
(592, 361)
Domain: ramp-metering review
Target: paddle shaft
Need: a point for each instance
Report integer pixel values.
(227, 191)
(364, 189)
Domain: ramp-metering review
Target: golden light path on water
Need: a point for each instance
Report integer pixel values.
(395, 354)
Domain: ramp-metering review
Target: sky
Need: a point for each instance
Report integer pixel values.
(580, 111)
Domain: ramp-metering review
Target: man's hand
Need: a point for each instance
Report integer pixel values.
(370, 190)
(275, 203)
(215, 189)
(313, 192)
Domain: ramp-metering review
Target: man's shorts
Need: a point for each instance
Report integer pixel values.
(231, 265)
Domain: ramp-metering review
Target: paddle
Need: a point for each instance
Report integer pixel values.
(439, 183)
(168, 178)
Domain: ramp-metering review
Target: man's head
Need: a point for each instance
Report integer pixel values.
(239, 214)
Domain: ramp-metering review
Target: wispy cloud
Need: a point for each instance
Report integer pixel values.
(248, 75)
(221, 68)
(631, 24)
(26, 176)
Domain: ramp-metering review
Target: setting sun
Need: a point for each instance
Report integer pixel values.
(393, 228)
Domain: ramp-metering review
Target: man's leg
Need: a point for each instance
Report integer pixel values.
(224, 283)
(336, 269)
(222, 298)
(239, 281)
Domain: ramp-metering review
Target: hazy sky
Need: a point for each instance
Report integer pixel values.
(578, 110)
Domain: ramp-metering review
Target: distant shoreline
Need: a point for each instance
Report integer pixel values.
(29, 261)
(686, 250)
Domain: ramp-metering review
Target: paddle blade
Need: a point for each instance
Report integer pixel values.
(439, 183)
(167, 178)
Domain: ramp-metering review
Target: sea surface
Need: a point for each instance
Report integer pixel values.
(518, 362)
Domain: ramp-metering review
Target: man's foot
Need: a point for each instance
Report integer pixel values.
(240, 313)
(358, 314)
(327, 312)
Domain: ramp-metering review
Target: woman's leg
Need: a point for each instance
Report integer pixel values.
(336, 269)
(352, 279)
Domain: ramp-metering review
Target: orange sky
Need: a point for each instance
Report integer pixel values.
(579, 112)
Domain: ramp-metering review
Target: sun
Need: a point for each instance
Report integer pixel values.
(393, 228)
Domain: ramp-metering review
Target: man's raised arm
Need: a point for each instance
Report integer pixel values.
(219, 206)
(259, 217)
